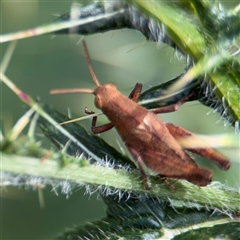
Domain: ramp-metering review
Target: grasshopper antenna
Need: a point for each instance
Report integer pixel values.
(81, 90)
(90, 67)
(72, 90)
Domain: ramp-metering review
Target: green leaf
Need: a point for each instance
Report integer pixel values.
(210, 36)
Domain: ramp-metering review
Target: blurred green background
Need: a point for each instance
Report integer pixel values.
(42, 63)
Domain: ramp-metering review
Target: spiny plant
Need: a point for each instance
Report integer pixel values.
(208, 35)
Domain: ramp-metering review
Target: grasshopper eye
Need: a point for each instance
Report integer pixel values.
(98, 101)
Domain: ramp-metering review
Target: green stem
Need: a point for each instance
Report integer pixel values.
(214, 196)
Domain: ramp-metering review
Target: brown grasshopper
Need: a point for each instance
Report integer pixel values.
(149, 140)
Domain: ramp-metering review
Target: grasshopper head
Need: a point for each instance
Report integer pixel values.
(103, 94)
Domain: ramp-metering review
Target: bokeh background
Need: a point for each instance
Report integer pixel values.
(42, 63)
